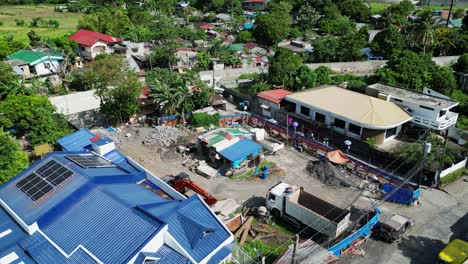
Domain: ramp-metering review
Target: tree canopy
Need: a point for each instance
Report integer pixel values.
(12, 159)
(273, 27)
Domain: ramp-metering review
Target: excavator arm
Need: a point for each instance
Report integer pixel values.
(181, 184)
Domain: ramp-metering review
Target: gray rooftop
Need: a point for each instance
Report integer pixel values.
(414, 97)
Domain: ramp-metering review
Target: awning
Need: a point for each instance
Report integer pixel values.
(266, 107)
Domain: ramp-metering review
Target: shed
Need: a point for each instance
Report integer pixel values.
(240, 151)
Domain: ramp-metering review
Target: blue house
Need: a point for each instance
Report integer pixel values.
(241, 150)
(78, 206)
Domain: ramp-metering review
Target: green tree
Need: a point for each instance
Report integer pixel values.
(12, 159)
(305, 78)
(443, 80)
(245, 36)
(35, 116)
(307, 17)
(273, 27)
(283, 67)
(355, 9)
(423, 31)
(9, 45)
(258, 88)
(8, 79)
(388, 41)
(460, 66)
(339, 26)
(163, 56)
(112, 21)
(204, 60)
(323, 75)
(121, 102)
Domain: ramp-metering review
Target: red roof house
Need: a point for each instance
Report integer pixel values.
(93, 43)
(275, 96)
(205, 26)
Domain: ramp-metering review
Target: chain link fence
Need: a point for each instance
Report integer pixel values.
(239, 256)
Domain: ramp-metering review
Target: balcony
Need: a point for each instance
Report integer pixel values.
(450, 120)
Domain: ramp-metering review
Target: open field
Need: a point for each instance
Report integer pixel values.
(8, 14)
(378, 8)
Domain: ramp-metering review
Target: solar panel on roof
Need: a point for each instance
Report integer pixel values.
(34, 186)
(39, 183)
(54, 172)
(90, 161)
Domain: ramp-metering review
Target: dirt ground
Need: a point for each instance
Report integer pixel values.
(162, 162)
(442, 215)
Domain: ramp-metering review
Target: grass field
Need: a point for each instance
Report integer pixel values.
(8, 14)
(378, 8)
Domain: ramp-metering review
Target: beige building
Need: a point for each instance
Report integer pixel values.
(354, 114)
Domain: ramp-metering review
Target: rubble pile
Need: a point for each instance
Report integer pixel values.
(164, 136)
(328, 174)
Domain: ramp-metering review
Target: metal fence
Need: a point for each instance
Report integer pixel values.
(239, 256)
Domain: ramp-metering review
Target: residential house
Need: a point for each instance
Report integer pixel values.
(81, 109)
(296, 45)
(254, 5)
(428, 109)
(268, 102)
(44, 64)
(93, 43)
(186, 58)
(228, 148)
(91, 204)
(370, 55)
(353, 114)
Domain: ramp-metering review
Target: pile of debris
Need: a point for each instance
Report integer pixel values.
(329, 174)
(164, 136)
(200, 167)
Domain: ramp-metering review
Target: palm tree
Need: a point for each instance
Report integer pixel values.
(424, 30)
(164, 98)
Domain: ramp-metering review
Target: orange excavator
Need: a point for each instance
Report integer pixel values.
(182, 182)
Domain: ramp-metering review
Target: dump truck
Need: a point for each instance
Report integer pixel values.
(456, 252)
(300, 208)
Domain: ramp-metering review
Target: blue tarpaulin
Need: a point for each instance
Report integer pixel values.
(240, 151)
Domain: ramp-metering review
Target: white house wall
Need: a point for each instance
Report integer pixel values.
(42, 70)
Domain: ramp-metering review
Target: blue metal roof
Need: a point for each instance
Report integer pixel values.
(107, 228)
(221, 255)
(106, 213)
(103, 141)
(76, 141)
(186, 223)
(164, 255)
(240, 150)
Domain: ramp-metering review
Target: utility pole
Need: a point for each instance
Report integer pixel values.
(287, 125)
(450, 13)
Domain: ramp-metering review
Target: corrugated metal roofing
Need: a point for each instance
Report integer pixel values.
(76, 141)
(12, 233)
(194, 208)
(168, 255)
(240, 150)
(22, 257)
(132, 193)
(221, 255)
(100, 223)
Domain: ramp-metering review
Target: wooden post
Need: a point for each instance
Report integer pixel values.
(296, 244)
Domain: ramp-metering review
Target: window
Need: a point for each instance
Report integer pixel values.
(47, 65)
(319, 118)
(425, 107)
(305, 110)
(391, 132)
(339, 123)
(442, 113)
(354, 129)
(271, 197)
(397, 100)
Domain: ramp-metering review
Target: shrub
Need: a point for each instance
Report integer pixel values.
(19, 22)
(453, 176)
(204, 120)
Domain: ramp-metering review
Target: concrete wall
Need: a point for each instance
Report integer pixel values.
(453, 168)
(354, 67)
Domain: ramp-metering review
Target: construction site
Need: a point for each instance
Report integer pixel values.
(245, 172)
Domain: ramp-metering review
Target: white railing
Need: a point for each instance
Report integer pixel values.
(453, 168)
(449, 121)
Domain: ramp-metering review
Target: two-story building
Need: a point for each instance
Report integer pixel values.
(428, 109)
(41, 63)
(93, 43)
(353, 114)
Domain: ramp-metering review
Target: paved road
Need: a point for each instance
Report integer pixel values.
(442, 218)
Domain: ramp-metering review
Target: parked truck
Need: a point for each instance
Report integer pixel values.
(298, 207)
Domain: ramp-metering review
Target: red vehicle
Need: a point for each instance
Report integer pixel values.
(182, 182)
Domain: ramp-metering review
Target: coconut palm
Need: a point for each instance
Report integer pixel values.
(424, 30)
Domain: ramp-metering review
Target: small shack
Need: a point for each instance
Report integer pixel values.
(243, 150)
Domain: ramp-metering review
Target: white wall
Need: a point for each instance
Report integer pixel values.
(453, 168)
(42, 70)
(417, 110)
